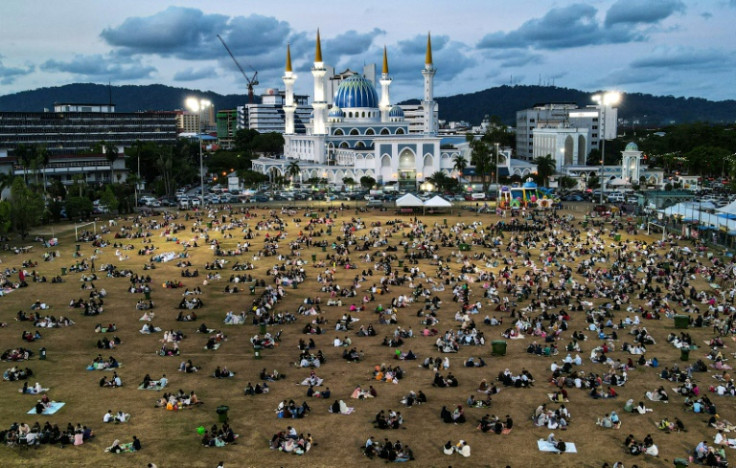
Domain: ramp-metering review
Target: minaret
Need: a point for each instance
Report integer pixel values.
(289, 106)
(428, 102)
(319, 104)
(385, 81)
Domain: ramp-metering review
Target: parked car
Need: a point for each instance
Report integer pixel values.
(573, 198)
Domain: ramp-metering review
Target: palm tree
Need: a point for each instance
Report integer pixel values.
(111, 154)
(23, 155)
(6, 180)
(293, 170)
(439, 180)
(460, 163)
(480, 157)
(80, 181)
(43, 156)
(546, 166)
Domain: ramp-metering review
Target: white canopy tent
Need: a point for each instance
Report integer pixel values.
(409, 201)
(728, 209)
(437, 202)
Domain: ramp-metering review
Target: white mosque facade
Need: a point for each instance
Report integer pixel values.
(362, 133)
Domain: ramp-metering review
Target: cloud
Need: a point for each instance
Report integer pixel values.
(515, 58)
(351, 42)
(561, 28)
(706, 15)
(649, 12)
(684, 58)
(418, 44)
(99, 66)
(176, 31)
(624, 76)
(8, 75)
(191, 74)
(451, 58)
(255, 35)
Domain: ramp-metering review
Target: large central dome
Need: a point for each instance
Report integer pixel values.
(356, 91)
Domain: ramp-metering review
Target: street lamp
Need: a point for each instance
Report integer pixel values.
(199, 106)
(496, 147)
(604, 100)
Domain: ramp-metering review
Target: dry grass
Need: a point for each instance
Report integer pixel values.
(170, 439)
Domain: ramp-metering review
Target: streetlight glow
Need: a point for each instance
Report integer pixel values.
(604, 100)
(198, 106)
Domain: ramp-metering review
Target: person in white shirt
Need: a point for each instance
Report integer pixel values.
(108, 417)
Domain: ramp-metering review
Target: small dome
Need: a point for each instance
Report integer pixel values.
(396, 111)
(336, 112)
(356, 91)
(632, 147)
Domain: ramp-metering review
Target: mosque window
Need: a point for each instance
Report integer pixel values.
(399, 131)
(363, 114)
(385, 132)
(339, 132)
(370, 132)
(354, 132)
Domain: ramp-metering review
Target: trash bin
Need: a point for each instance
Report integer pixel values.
(256, 352)
(401, 263)
(209, 225)
(685, 353)
(79, 247)
(406, 249)
(681, 462)
(585, 224)
(464, 247)
(324, 248)
(444, 221)
(682, 321)
(222, 413)
(252, 290)
(498, 348)
(314, 257)
(262, 329)
(42, 354)
(147, 295)
(63, 271)
(617, 237)
(294, 285)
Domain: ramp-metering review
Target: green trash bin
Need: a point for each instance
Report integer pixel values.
(464, 247)
(222, 413)
(617, 237)
(324, 248)
(498, 348)
(63, 271)
(147, 294)
(585, 224)
(401, 263)
(252, 290)
(78, 246)
(685, 353)
(314, 257)
(682, 321)
(209, 225)
(257, 352)
(262, 329)
(444, 221)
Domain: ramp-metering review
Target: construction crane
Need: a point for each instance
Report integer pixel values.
(252, 81)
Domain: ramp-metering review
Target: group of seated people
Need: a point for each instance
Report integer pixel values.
(35, 435)
(222, 373)
(179, 400)
(99, 363)
(390, 420)
(119, 417)
(114, 382)
(16, 354)
(218, 437)
(106, 343)
(289, 441)
(609, 421)
(117, 447)
(495, 424)
(389, 451)
(258, 389)
(32, 389)
(384, 373)
(523, 380)
(544, 417)
(50, 321)
(17, 373)
(646, 446)
(442, 382)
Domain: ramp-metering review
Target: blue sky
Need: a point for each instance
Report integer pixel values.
(664, 47)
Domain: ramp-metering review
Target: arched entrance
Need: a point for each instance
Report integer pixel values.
(581, 150)
(407, 170)
(568, 151)
(386, 168)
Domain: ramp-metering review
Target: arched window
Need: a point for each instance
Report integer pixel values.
(360, 145)
(339, 132)
(354, 132)
(363, 114)
(370, 132)
(399, 131)
(385, 131)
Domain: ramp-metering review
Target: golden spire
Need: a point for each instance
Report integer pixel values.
(428, 59)
(288, 57)
(318, 50)
(385, 61)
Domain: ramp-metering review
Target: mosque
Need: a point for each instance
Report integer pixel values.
(362, 134)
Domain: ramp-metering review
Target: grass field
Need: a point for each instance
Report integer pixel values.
(170, 439)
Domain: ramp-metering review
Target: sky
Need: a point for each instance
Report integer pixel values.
(663, 47)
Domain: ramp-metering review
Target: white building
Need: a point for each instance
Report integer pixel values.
(355, 134)
(558, 115)
(567, 146)
(268, 116)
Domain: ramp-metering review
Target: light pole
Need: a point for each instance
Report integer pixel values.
(496, 145)
(199, 106)
(604, 100)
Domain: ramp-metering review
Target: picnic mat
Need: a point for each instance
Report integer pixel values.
(156, 387)
(53, 408)
(545, 446)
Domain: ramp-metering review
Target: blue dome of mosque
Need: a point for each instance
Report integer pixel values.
(632, 147)
(356, 91)
(396, 111)
(336, 112)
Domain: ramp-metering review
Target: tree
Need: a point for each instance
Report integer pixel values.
(546, 167)
(293, 170)
(251, 178)
(367, 182)
(6, 218)
(165, 163)
(111, 154)
(6, 180)
(23, 155)
(459, 164)
(26, 207)
(109, 200)
(480, 157)
(593, 181)
(80, 182)
(43, 156)
(349, 181)
(567, 182)
(78, 207)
